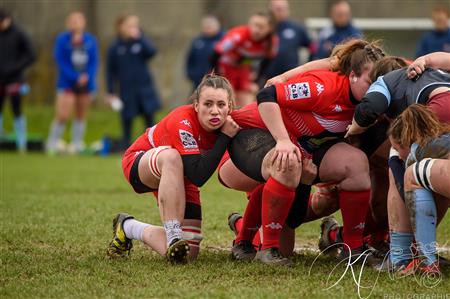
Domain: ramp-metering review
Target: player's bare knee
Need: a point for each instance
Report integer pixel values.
(171, 158)
(290, 177)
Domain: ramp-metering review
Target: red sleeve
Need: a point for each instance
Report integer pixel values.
(303, 92)
(230, 41)
(182, 131)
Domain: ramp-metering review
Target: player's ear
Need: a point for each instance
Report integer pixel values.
(352, 77)
(196, 106)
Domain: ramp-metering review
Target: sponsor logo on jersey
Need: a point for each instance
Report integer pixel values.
(186, 123)
(337, 108)
(187, 139)
(274, 225)
(319, 87)
(299, 91)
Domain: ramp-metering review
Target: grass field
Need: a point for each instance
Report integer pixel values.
(56, 217)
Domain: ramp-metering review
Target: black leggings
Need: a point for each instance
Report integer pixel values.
(16, 104)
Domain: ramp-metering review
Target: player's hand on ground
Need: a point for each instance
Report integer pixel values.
(230, 127)
(416, 68)
(286, 155)
(275, 80)
(309, 172)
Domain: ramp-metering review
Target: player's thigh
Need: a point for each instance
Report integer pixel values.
(342, 161)
(235, 179)
(151, 164)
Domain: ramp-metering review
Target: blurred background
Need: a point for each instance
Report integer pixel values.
(172, 24)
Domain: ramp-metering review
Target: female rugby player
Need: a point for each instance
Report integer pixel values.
(244, 53)
(424, 143)
(423, 82)
(313, 109)
(172, 159)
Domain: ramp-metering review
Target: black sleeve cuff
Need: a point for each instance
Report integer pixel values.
(267, 94)
(371, 107)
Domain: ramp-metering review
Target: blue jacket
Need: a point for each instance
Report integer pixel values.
(127, 75)
(331, 36)
(434, 41)
(63, 52)
(198, 63)
(292, 36)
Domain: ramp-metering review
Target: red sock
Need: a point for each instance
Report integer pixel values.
(248, 226)
(277, 200)
(354, 206)
(333, 235)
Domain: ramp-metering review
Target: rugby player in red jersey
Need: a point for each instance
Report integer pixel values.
(172, 159)
(314, 109)
(244, 52)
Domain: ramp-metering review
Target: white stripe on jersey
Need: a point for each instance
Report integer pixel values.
(334, 126)
(299, 122)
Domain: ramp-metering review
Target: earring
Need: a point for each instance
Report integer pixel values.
(355, 80)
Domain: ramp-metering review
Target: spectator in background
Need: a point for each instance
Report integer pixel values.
(128, 76)
(244, 53)
(76, 56)
(437, 40)
(341, 29)
(292, 37)
(202, 47)
(16, 54)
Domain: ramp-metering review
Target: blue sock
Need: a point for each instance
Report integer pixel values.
(425, 224)
(20, 126)
(400, 253)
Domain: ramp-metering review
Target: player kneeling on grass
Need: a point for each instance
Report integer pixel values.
(424, 143)
(172, 159)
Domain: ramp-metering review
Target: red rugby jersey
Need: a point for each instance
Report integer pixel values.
(316, 101)
(310, 103)
(181, 130)
(237, 47)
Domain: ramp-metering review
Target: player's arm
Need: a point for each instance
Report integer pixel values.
(226, 44)
(321, 64)
(436, 60)
(271, 115)
(374, 103)
(198, 168)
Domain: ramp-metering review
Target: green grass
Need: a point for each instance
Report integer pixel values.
(56, 217)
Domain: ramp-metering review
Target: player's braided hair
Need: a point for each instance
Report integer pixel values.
(386, 65)
(214, 81)
(355, 54)
(417, 124)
